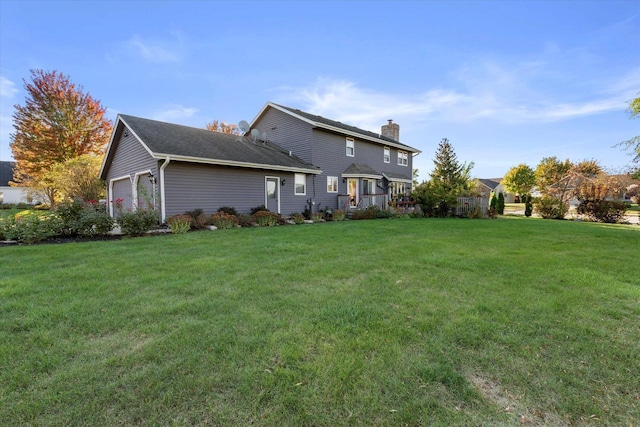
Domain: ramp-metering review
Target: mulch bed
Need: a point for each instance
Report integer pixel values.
(60, 240)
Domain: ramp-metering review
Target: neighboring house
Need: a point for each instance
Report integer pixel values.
(304, 161)
(359, 168)
(486, 186)
(10, 194)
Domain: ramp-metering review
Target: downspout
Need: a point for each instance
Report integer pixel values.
(163, 207)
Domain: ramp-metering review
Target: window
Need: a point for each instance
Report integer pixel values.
(387, 155)
(403, 158)
(369, 186)
(332, 184)
(351, 150)
(301, 184)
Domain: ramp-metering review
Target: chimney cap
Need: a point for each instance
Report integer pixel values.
(390, 121)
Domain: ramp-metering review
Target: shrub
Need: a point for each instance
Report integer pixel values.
(258, 209)
(298, 218)
(198, 219)
(138, 222)
(528, 205)
(228, 210)
(180, 223)
(606, 211)
(245, 220)
(475, 212)
(224, 220)
(338, 215)
(30, 227)
(80, 218)
(550, 207)
(265, 218)
(317, 216)
(368, 213)
(500, 204)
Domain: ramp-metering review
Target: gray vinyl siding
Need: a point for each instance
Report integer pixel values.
(129, 158)
(208, 187)
(330, 155)
(288, 132)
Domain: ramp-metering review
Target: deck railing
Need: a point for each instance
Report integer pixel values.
(366, 200)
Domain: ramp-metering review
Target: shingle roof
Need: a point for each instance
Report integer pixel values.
(319, 120)
(392, 176)
(361, 169)
(6, 173)
(195, 144)
(491, 183)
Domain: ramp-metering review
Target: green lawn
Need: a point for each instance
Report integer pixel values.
(385, 322)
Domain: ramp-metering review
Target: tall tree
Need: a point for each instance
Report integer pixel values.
(77, 178)
(633, 144)
(58, 122)
(519, 180)
(450, 178)
(558, 181)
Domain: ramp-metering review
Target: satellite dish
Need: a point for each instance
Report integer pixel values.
(244, 126)
(255, 134)
(264, 136)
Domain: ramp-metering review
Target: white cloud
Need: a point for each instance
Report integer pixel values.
(156, 51)
(174, 113)
(488, 92)
(7, 88)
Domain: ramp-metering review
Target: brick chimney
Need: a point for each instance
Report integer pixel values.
(391, 130)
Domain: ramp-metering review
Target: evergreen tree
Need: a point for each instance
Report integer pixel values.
(500, 205)
(450, 178)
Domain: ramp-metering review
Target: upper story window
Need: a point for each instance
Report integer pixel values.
(403, 158)
(332, 184)
(300, 184)
(387, 154)
(351, 149)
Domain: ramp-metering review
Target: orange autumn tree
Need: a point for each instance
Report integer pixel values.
(58, 122)
(222, 127)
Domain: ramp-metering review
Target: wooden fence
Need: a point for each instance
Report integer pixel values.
(468, 204)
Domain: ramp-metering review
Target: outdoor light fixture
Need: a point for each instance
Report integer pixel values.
(152, 178)
(283, 181)
(344, 180)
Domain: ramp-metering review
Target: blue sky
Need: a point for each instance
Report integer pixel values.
(506, 82)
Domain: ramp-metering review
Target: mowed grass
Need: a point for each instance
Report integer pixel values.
(385, 322)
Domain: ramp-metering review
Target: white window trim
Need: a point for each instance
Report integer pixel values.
(387, 155)
(295, 184)
(352, 146)
(330, 181)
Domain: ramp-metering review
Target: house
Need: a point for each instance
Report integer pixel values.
(10, 194)
(289, 162)
(488, 185)
(359, 168)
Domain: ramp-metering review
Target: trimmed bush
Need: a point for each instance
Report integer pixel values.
(265, 218)
(224, 220)
(298, 218)
(138, 222)
(317, 216)
(606, 211)
(80, 218)
(550, 207)
(258, 209)
(500, 204)
(337, 215)
(30, 227)
(228, 210)
(180, 224)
